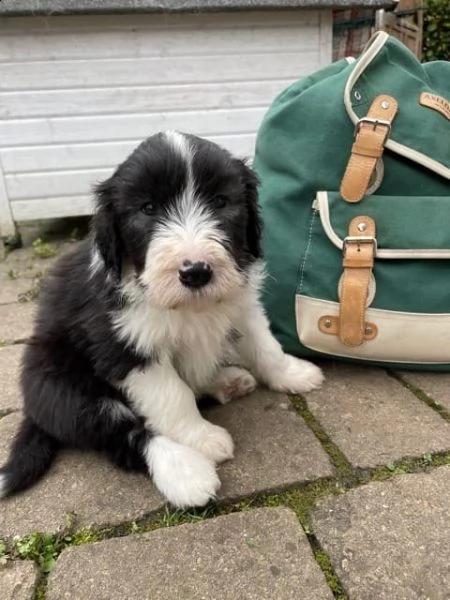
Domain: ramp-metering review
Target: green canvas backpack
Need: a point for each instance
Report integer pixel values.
(354, 164)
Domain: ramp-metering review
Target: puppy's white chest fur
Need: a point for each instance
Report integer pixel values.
(200, 347)
(193, 339)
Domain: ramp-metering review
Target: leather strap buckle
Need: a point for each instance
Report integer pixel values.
(375, 123)
(356, 239)
(371, 134)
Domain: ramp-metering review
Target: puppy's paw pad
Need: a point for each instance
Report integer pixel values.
(234, 383)
(184, 476)
(298, 376)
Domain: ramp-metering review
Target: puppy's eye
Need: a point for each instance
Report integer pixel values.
(148, 209)
(219, 201)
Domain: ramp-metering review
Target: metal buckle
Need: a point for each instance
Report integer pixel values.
(375, 123)
(356, 239)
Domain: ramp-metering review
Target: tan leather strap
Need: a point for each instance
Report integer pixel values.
(358, 258)
(371, 134)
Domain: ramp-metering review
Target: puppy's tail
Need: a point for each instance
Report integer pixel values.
(32, 454)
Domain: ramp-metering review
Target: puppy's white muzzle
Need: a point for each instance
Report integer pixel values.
(187, 262)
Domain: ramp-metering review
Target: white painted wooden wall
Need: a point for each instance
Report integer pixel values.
(77, 94)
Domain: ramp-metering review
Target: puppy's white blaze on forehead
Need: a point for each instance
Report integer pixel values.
(180, 143)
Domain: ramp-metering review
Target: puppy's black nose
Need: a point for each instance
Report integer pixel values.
(195, 275)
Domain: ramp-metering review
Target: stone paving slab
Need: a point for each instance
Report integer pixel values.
(10, 361)
(261, 554)
(22, 271)
(18, 581)
(24, 264)
(16, 321)
(435, 385)
(16, 290)
(274, 450)
(390, 540)
(80, 483)
(27, 259)
(374, 419)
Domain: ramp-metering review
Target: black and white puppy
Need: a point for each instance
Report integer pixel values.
(145, 316)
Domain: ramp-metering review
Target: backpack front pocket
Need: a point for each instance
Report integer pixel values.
(381, 297)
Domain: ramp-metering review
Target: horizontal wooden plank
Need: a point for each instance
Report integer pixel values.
(200, 21)
(127, 127)
(140, 42)
(156, 71)
(51, 184)
(117, 100)
(52, 208)
(97, 155)
(57, 183)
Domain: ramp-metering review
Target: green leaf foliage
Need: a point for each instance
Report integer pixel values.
(436, 30)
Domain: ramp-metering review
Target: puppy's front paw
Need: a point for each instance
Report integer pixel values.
(211, 440)
(297, 376)
(185, 477)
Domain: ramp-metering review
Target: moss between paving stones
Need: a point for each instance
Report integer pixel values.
(338, 458)
(421, 395)
(31, 294)
(6, 411)
(6, 343)
(43, 249)
(333, 581)
(44, 549)
(4, 556)
(405, 466)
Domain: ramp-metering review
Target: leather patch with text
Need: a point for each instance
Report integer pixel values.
(436, 103)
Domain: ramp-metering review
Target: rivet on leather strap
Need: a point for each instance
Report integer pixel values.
(330, 324)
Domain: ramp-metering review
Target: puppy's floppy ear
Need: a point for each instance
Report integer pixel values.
(254, 223)
(105, 230)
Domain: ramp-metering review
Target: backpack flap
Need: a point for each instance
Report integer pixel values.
(419, 93)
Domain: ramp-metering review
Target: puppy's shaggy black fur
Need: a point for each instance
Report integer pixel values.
(76, 359)
(157, 307)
